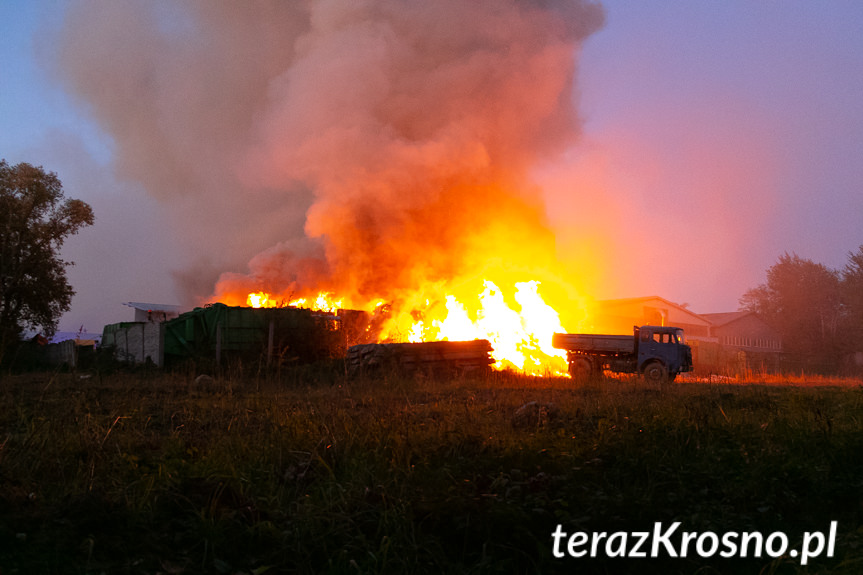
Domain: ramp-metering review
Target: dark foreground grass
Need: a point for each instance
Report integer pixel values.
(154, 473)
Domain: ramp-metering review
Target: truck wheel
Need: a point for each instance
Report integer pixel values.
(580, 369)
(655, 372)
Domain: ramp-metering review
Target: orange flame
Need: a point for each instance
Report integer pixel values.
(258, 300)
(520, 332)
(517, 321)
(325, 301)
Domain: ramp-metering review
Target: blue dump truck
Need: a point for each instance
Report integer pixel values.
(658, 353)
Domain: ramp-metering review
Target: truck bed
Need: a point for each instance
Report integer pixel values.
(594, 343)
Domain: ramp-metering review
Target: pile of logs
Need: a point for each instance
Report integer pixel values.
(432, 355)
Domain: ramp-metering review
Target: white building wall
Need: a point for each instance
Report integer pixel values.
(136, 342)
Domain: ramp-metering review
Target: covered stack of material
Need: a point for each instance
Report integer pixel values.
(432, 355)
(285, 335)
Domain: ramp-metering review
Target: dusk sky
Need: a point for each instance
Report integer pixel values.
(714, 138)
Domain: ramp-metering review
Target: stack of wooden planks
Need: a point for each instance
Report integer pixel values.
(432, 355)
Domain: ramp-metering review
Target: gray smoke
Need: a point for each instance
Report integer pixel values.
(358, 146)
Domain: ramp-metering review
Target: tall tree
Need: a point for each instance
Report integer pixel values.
(852, 299)
(801, 300)
(35, 220)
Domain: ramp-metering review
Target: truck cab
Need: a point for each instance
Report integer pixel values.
(662, 352)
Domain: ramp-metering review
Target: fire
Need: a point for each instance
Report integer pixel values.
(325, 301)
(519, 327)
(520, 332)
(258, 300)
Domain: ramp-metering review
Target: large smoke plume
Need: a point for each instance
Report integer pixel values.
(362, 147)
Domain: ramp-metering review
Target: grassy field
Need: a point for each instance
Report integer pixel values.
(315, 473)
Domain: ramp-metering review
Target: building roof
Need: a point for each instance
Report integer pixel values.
(720, 319)
(153, 306)
(610, 303)
(78, 336)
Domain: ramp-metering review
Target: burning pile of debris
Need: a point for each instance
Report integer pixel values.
(433, 355)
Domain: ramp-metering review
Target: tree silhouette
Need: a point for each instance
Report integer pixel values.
(801, 300)
(35, 220)
(852, 300)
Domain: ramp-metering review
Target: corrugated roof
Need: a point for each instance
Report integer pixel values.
(153, 306)
(76, 335)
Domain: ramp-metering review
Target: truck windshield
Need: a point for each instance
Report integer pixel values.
(665, 336)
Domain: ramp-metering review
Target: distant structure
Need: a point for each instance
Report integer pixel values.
(68, 348)
(729, 342)
(153, 312)
(142, 339)
(80, 337)
(619, 315)
(746, 342)
(743, 330)
(216, 331)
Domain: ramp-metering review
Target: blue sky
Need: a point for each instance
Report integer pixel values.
(33, 104)
(128, 252)
(739, 120)
(716, 137)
